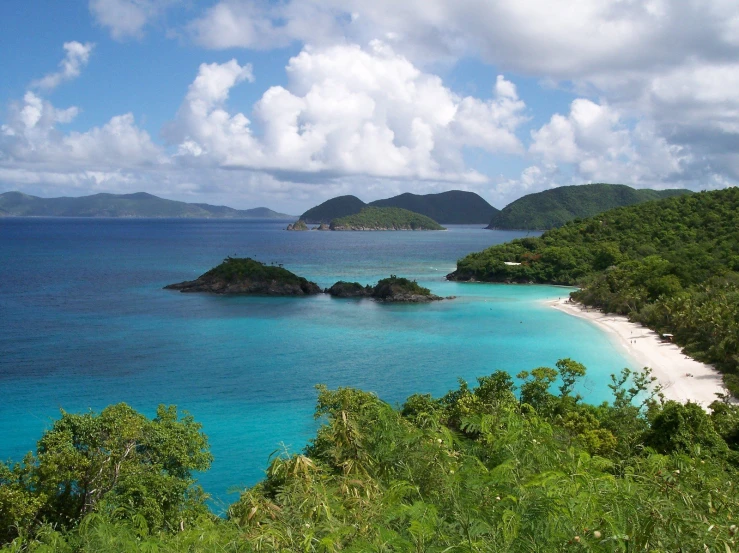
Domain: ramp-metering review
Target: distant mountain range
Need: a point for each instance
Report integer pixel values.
(140, 204)
(553, 208)
(453, 207)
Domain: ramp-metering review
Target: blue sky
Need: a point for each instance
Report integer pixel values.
(250, 103)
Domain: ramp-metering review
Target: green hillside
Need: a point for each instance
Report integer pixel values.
(486, 468)
(454, 207)
(671, 264)
(139, 204)
(553, 208)
(385, 218)
(333, 209)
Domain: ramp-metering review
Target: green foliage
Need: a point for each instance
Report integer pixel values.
(235, 269)
(114, 462)
(487, 469)
(672, 265)
(392, 218)
(333, 209)
(454, 207)
(395, 285)
(553, 208)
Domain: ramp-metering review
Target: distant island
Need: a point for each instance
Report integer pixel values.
(553, 208)
(385, 218)
(453, 207)
(138, 205)
(237, 276)
(392, 289)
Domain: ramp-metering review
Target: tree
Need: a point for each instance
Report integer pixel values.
(117, 462)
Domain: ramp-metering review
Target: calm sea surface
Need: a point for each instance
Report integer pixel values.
(84, 323)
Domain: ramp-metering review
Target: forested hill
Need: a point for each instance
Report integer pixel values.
(489, 468)
(671, 264)
(385, 218)
(334, 208)
(454, 207)
(139, 204)
(553, 208)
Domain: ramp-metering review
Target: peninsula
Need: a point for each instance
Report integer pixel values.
(671, 265)
(243, 276)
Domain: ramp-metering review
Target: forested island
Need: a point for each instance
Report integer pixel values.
(453, 207)
(137, 205)
(248, 276)
(672, 265)
(493, 468)
(385, 218)
(553, 208)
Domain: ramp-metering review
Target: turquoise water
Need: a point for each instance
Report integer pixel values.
(85, 324)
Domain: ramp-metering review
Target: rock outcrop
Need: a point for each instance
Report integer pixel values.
(393, 289)
(297, 225)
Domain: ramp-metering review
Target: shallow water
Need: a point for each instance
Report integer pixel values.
(85, 323)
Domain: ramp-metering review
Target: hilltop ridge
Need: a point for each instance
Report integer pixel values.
(555, 207)
(138, 204)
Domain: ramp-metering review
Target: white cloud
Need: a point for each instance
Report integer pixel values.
(77, 56)
(31, 137)
(127, 18)
(599, 144)
(348, 111)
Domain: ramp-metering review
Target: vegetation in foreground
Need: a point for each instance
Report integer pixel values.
(491, 468)
(553, 208)
(672, 265)
(385, 218)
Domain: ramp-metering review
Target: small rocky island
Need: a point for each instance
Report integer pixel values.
(236, 276)
(297, 225)
(393, 289)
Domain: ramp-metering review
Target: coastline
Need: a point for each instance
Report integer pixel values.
(682, 378)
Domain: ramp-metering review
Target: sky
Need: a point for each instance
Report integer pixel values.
(288, 103)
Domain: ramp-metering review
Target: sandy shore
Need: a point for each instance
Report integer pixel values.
(683, 379)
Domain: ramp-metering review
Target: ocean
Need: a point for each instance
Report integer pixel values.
(84, 323)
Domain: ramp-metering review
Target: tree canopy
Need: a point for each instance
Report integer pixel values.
(493, 468)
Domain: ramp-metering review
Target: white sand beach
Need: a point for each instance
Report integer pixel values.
(683, 378)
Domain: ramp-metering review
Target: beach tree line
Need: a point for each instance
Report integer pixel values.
(671, 264)
(492, 467)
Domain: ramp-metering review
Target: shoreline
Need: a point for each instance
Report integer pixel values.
(682, 378)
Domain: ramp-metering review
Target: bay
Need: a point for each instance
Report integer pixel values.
(85, 323)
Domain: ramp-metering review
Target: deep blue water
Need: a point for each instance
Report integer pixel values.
(85, 323)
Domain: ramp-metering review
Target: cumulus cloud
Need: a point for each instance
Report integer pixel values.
(670, 66)
(31, 136)
(347, 111)
(77, 56)
(596, 140)
(127, 18)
